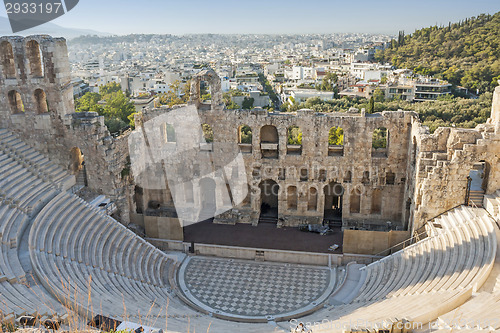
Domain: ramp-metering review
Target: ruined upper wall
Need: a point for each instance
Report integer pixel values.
(35, 81)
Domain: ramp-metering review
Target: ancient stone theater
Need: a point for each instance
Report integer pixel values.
(92, 225)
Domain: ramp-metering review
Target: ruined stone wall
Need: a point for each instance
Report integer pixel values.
(356, 166)
(36, 102)
(445, 159)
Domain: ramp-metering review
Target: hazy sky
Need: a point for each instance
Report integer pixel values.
(268, 16)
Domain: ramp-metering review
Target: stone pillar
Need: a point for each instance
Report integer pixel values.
(495, 107)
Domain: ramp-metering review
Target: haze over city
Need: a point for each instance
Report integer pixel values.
(267, 17)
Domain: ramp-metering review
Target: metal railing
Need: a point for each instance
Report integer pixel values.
(416, 235)
(410, 240)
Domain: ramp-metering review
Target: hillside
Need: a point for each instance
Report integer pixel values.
(466, 53)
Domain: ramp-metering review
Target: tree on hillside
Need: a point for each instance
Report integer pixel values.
(466, 53)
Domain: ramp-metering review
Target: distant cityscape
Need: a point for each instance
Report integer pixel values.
(294, 66)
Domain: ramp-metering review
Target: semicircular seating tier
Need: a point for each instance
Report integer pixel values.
(88, 262)
(424, 280)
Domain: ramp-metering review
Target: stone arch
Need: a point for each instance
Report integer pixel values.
(41, 103)
(34, 54)
(8, 64)
(269, 194)
(312, 199)
(269, 134)
(333, 194)
(292, 197)
(355, 201)
(213, 80)
(376, 201)
(269, 141)
(294, 140)
(15, 102)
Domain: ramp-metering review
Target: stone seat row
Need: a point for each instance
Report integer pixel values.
(12, 146)
(12, 221)
(16, 297)
(91, 239)
(454, 258)
(22, 188)
(426, 279)
(480, 313)
(72, 243)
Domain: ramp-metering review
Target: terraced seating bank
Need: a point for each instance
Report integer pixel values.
(60, 256)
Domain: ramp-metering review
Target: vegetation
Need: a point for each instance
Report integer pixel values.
(178, 94)
(336, 136)
(247, 103)
(379, 139)
(208, 133)
(328, 82)
(245, 134)
(466, 53)
(112, 103)
(294, 135)
(269, 89)
(446, 111)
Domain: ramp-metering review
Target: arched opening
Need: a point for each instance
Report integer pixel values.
(15, 102)
(269, 141)
(206, 86)
(8, 64)
(333, 193)
(168, 133)
(376, 201)
(380, 142)
(77, 166)
(322, 175)
(139, 199)
(304, 174)
(34, 53)
(355, 200)
(207, 199)
(477, 183)
(336, 141)
(294, 141)
(269, 193)
(245, 138)
(312, 199)
(205, 92)
(41, 101)
(291, 198)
